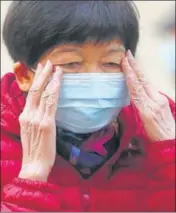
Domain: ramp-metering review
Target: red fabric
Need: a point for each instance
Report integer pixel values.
(149, 186)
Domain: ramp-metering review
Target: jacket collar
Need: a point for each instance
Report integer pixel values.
(12, 104)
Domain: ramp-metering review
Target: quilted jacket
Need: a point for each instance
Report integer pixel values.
(127, 182)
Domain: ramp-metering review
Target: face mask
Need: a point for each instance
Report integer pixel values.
(89, 102)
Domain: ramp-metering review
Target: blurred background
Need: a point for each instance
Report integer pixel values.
(156, 50)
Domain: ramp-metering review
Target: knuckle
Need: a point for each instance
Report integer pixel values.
(34, 90)
(131, 77)
(144, 81)
(36, 119)
(34, 93)
(137, 100)
(157, 110)
(163, 102)
(52, 100)
(56, 82)
(149, 116)
(26, 117)
(23, 119)
(53, 86)
(146, 111)
(45, 94)
(45, 125)
(34, 87)
(35, 123)
(143, 111)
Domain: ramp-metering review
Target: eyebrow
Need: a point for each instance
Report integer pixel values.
(67, 49)
(77, 50)
(116, 50)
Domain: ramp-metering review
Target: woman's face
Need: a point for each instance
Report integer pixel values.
(86, 58)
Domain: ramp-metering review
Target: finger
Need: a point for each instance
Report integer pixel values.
(43, 78)
(33, 93)
(37, 71)
(54, 85)
(153, 98)
(49, 100)
(148, 87)
(140, 75)
(25, 136)
(38, 86)
(136, 90)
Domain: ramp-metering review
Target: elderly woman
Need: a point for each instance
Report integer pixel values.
(82, 128)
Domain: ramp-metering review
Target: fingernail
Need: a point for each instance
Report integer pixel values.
(39, 66)
(48, 63)
(129, 54)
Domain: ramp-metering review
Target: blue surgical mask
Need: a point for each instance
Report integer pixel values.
(90, 101)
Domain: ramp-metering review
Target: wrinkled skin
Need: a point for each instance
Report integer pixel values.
(153, 107)
(37, 122)
(38, 118)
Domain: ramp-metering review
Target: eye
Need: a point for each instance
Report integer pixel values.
(71, 65)
(112, 65)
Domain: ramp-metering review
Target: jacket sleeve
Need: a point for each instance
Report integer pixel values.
(160, 170)
(29, 196)
(160, 167)
(21, 195)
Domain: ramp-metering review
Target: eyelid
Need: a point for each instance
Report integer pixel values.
(115, 63)
(112, 62)
(112, 65)
(62, 64)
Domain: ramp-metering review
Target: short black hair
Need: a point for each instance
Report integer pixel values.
(33, 27)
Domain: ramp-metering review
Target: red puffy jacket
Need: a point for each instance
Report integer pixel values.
(148, 185)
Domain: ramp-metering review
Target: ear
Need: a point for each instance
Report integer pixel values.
(24, 76)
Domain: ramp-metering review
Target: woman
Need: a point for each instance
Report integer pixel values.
(82, 128)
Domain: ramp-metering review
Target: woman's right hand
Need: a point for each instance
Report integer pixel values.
(37, 123)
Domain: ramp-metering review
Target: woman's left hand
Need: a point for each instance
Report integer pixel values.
(153, 107)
